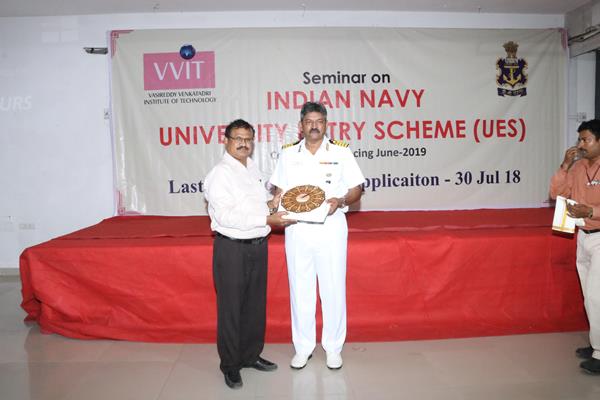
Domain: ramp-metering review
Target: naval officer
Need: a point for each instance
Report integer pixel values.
(318, 250)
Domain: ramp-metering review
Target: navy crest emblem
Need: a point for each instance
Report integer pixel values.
(511, 76)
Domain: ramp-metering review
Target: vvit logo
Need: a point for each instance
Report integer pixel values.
(170, 71)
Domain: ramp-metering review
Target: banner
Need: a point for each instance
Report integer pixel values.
(437, 118)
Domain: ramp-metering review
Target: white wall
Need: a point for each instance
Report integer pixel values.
(55, 145)
(581, 97)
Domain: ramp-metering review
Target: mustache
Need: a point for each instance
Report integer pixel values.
(315, 130)
(242, 147)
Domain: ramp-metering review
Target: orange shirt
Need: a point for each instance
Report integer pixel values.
(582, 184)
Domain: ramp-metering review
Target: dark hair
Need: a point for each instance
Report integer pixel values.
(310, 106)
(237, 124)
(593, 125)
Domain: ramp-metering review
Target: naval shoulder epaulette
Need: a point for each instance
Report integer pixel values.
(339, 143)
(285, 146)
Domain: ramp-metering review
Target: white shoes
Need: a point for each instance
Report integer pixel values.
(334, 361)
(299, 361)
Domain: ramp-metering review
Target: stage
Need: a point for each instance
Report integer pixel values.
(411, 275)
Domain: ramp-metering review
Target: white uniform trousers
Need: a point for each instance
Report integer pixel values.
(318, 251)
(588, 267)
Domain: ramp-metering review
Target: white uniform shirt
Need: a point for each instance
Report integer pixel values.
(237, 199)
(333, 168)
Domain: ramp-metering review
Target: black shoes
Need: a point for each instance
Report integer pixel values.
(233, 379)
(591, 366)
(263, 365)
(585, 352)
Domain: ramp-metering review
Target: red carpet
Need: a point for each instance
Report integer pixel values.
(411, 275)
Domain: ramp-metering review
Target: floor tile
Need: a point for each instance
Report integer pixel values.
(138, 351)
(34, 366)
(131, 381)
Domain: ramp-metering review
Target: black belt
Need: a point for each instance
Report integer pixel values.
(257, 240)
(588, 231)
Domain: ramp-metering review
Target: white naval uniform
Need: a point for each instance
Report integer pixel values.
(318, 250)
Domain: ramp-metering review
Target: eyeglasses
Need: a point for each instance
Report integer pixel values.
(241, 140)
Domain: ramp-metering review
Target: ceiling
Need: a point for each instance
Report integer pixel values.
(24, 8)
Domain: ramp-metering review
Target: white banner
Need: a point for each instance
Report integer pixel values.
(437, 118)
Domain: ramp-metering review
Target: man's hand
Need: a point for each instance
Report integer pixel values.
(335, 203)
(350, 197)
(274, 202)
(278, 220)
(570, 156)
(579, 211)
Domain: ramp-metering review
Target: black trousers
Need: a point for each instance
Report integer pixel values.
(240, 278)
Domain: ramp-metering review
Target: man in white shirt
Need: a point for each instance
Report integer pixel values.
(241, 215)
(318, 250)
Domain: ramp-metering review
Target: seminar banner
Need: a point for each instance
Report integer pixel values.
(437, 118)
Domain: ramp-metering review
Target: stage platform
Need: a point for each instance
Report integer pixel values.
(411, 275)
